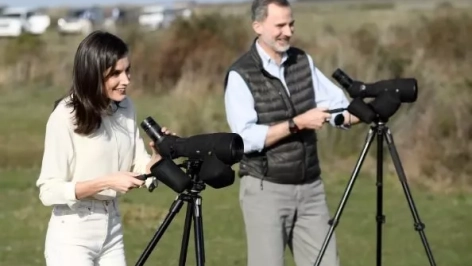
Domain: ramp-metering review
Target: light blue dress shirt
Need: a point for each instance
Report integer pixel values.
(239, 102)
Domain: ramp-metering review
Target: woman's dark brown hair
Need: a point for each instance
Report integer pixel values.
(98, 52)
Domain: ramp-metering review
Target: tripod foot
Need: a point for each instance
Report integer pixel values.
(419, 225)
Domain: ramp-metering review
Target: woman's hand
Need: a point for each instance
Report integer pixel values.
(123, 181)
(156, 157)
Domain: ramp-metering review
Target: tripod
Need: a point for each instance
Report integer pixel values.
(194, 211)
(382, 131)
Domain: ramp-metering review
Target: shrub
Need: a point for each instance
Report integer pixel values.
(22, 58)
(202, 46)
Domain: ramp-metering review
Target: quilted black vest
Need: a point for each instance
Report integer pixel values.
(294, 159)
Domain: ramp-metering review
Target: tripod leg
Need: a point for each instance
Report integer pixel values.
(380, 218)
(198, 223)
(419, 226)
(174, 209)
(186, 234)
(334, 222)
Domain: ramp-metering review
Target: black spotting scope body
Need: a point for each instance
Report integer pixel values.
(406, 89)
(215, 153)
(227, 147)
(388, 96)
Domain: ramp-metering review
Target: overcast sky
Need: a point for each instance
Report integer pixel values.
(52, 3)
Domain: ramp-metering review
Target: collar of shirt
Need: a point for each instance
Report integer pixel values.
(266, 59)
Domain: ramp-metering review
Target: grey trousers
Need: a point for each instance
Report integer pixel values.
(277, 215)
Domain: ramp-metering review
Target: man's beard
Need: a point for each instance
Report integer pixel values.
(281, 48)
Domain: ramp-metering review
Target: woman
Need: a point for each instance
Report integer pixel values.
(93, 151)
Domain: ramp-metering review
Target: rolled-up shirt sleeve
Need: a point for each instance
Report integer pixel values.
(241, 115)
(54, 181)
(327, 94)
(141, 156)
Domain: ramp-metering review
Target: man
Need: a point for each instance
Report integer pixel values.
(275, 98)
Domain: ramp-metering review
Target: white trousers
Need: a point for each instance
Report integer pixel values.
(89, 236)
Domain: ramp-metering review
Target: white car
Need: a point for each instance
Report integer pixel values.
(80, 21)
(157, 17)
(151, 17)
(17, 20)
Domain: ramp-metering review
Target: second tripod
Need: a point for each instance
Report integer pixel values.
(383, 132)
(194, 212)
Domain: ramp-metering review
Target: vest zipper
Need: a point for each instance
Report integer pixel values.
(294, 112)
(300, 137)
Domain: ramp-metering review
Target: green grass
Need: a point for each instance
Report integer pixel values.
(24, 219)
(24, 222)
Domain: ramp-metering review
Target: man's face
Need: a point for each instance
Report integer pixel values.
(275, 31)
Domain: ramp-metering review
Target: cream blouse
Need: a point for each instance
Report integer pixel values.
(69, 158)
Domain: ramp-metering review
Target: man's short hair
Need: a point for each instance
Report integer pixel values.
(259, 8)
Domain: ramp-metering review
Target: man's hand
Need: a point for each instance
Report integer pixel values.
(313, 118)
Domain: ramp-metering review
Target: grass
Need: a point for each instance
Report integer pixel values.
(24, 221)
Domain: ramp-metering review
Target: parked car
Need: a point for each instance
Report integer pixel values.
(151, 17)
(157, 16)
(81, 21)
(15, 21)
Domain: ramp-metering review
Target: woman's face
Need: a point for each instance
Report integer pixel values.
(118, 81)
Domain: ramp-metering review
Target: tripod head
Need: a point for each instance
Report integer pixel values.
(202, 171)
(193, 167)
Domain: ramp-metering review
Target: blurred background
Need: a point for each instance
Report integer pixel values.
(180, 52)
